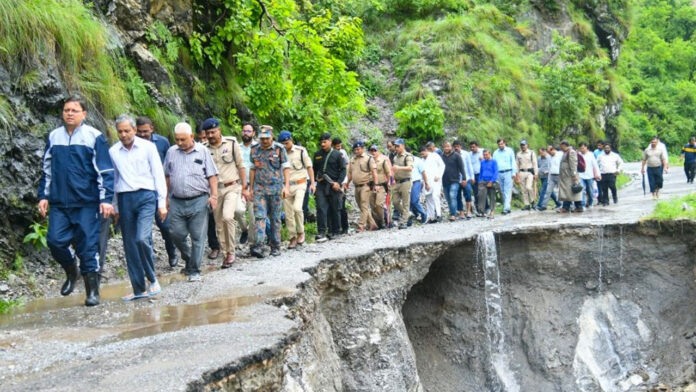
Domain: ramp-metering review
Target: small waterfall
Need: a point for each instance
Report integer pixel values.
(621, 258)
(600, 258)
(503, 378)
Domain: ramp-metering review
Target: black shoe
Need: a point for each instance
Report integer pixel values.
(320, 238)
(173, 261)
(70, 278)
(505, 212)
(92, 289)
(409, 223)
(402, 226)
(526, 208)
(275, 252)
(257, 251)
(244, 237)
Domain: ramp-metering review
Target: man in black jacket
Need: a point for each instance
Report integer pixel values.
(330, 171)
(453, 177)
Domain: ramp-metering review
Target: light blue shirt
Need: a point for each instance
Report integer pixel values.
(138, 168)
(417, 172)
(468, 168)
(475, 160)
(505, 159)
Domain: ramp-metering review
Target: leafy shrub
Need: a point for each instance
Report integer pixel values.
(421, 121)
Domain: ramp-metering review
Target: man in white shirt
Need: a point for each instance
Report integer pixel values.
(140, 188)
(609, 166)
(434, 167)
(465, 191)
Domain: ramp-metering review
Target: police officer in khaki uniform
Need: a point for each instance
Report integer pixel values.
(231, 175)
(527, 174)
(363, 173)
(378, 198)
(401, 192)
(300, 170)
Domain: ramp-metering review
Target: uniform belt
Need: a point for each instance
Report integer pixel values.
(504, 171)
(360, 185)
(230, 183)
(300, 181)
(189, 198)
(527, 170)
(401, 181)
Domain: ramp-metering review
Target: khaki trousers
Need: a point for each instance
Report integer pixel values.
(246, 222)
(362, 198)
(292, 204)
(401, 198)
(377, 201)
(527, 187)
(225, 224)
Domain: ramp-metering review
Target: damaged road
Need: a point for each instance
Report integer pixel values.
(249, 327)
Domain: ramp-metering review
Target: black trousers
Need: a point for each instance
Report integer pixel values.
(213, 242)
(690, 170)
(655, 178)
(328, 209)
(608, 183)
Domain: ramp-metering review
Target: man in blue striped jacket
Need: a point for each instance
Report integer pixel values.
(77, 183)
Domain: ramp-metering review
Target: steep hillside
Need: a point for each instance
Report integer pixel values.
(541, 70)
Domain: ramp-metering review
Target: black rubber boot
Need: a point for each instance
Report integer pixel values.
(70, 278)
(92, 288)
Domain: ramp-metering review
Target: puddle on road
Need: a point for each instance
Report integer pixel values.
(54, 321)
(152, 321)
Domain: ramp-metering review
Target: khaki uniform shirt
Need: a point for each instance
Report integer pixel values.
(228, 160)
(382, 173)
(405, 159)
(299, 162)
(361, 169)
(526, 161)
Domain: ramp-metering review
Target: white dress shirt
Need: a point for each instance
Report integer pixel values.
(138, 168)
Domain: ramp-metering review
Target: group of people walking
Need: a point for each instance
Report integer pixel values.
(215, 188)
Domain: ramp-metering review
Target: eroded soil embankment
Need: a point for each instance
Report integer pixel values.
(581, 309)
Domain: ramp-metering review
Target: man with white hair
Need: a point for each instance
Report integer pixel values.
(193, 186)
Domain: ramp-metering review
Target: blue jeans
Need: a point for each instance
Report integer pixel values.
(587, 191)
(136, 212)
(267, 206)
(189, 218)
(505, 182)
(415, 206)
(78, 226)
(549, 191)
(452, 192)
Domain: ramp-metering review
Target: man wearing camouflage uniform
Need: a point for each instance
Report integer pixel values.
(269, 183)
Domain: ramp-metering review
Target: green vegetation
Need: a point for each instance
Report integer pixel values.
(657, 66)
(6, 305)
(622, 179)
(464, 67)
(37, 235)
(65, 35)
(287, 64)
(679, 208)
(487, 83)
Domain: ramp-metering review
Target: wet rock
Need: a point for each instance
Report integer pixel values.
(591, 284)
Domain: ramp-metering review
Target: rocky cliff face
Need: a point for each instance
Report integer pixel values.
(585, 309)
